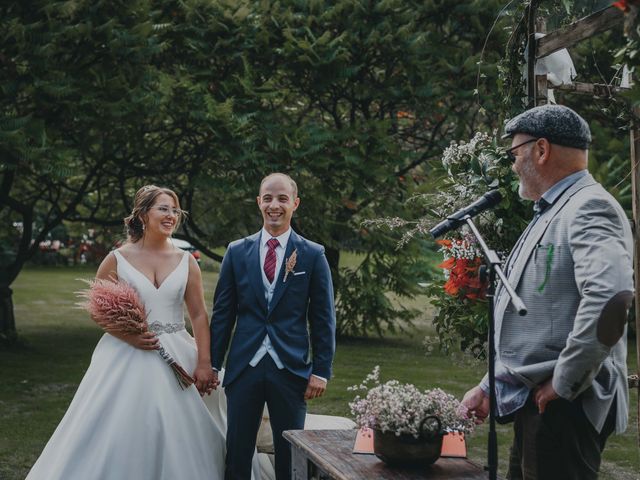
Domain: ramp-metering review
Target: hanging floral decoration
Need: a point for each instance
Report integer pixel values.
(461, 265)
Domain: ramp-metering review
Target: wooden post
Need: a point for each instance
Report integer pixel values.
(635, 184)
(542, 90)
(542, 84)
(531, 55)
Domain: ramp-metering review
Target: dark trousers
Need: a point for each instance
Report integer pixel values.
(559, 444)
(283, 392)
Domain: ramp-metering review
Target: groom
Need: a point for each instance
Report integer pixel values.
(274, 302)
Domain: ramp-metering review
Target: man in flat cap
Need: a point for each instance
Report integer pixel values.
(561, 371)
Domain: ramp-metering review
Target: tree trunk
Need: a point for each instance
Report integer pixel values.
(7, 318)
(8, 274)
(333, 257)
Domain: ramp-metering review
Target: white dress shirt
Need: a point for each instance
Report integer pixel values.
(269, 288)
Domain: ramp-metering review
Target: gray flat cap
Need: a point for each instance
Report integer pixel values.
(556, 123)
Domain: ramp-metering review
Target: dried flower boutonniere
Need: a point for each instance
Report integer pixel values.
(290, 265)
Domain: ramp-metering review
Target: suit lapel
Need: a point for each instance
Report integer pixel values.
(530, 242)
(540, 227)
(253, 268)
(294, 243)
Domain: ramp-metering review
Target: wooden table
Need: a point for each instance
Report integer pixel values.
(328, 454)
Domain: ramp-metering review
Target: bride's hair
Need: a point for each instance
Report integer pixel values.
(143, 201)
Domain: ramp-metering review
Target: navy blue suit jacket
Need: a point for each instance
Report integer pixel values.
(300, 319)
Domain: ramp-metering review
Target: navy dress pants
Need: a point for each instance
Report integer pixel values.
(283, 392)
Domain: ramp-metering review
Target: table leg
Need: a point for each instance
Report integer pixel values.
(299, 464)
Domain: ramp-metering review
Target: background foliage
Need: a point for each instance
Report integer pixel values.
(354, 99)
(357, 100)
(470, 166)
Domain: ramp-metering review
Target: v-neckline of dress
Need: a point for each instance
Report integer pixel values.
(147, 278)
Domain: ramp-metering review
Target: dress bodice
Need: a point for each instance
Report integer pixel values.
(165, 304)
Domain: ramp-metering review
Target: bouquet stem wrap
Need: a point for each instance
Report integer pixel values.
(116, 307)
(184, 379)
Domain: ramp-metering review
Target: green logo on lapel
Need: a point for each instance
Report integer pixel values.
(547, 271)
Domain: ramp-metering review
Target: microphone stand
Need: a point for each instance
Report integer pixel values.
(493, 268)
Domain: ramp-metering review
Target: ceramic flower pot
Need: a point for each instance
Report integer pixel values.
(407, 450)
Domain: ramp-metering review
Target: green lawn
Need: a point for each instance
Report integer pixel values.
(39, 379)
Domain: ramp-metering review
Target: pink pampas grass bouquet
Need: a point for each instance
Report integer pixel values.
(114, 306)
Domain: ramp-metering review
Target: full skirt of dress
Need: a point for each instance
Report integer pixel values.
(129, 419)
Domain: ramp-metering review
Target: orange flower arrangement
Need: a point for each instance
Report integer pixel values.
(625, 5)
(461, 265)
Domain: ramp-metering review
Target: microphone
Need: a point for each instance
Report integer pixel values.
(487, 201)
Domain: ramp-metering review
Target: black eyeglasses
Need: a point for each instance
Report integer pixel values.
(509, 152)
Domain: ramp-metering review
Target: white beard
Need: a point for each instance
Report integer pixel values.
(526, 174)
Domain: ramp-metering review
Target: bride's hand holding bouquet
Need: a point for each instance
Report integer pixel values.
(143, 341)
(109, 301)
(115, 306)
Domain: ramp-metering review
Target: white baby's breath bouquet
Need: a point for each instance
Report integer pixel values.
(468, 169)
(401, 408)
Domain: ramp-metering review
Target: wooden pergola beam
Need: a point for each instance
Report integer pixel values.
(599, 90)
(579, 30)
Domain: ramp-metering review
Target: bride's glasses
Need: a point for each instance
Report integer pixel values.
(166, 210)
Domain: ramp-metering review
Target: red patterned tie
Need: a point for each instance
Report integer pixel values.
(270, 259)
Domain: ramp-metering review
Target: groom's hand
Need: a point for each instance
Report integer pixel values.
(206, 379)
(213, 383)
(315, 387)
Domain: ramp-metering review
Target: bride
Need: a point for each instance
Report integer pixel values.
(129, 418)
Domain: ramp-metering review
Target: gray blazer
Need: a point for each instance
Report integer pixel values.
(576, 258)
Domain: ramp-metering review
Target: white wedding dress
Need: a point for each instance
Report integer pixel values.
(129, 418)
